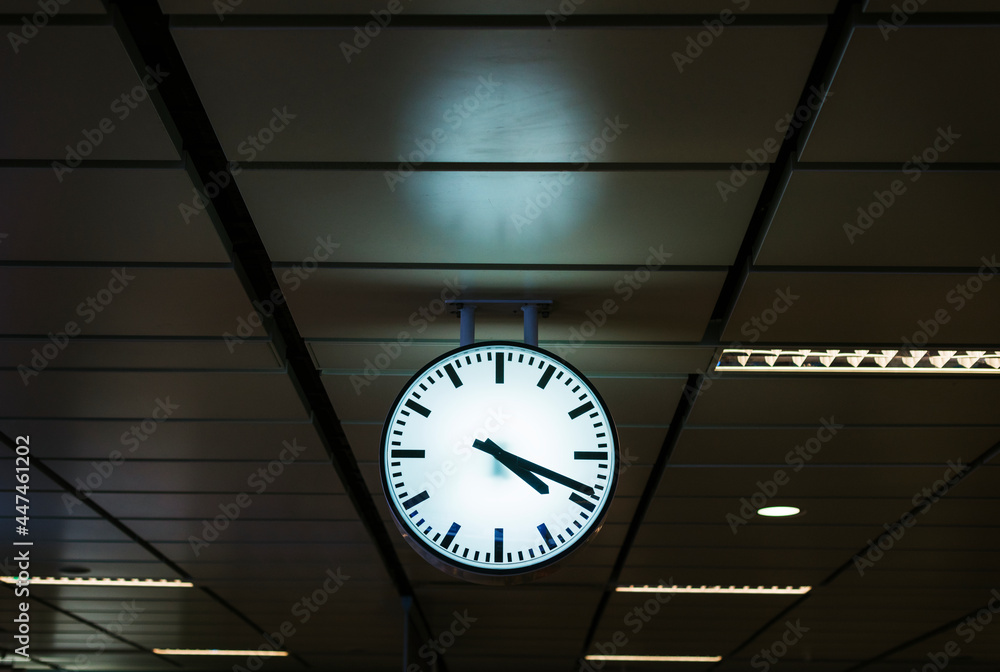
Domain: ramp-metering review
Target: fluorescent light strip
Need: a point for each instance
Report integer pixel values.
(218, 652)
(660, 659)
(718, 590)
(96, 581)
(859, 361)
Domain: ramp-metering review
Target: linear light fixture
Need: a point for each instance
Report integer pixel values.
(219, 652)
(659, 659)
(718, 590)
(859, 361)
(96, 581)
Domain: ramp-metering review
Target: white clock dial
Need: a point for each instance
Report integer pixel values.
(497, 460)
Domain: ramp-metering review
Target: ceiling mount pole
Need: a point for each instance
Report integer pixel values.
(407, 603)
(530, 323)
(467, 334)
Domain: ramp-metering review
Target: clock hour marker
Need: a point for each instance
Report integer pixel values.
(498, 544)
(455, 380)
(414, 406)
(547, 536)
(452, 531)
(416, 499)
(586, 455)
(544, 380)
(577, 499)
(407, 453)
(575, 413)
(499, 368)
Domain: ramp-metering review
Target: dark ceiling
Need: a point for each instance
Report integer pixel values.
(227, 229)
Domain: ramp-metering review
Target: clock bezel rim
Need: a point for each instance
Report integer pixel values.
(545, 564)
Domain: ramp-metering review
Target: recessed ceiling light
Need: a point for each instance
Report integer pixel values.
(869, 360)
(779, 511)
(219, 652)
(718, 590)
(97, 581)
(660, 659)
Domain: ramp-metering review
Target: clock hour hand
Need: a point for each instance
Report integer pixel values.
(507, 460)
(497, 452)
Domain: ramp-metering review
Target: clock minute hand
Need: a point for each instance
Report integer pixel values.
(538, 469)
(507, 460)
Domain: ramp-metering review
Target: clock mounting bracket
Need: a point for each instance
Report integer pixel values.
(531, 309)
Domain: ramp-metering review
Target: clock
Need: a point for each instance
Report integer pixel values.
(498, 460)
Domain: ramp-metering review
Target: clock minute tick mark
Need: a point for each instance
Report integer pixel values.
(448, 538)
(544, 380)
(407, 453)
(547, 536)
(414, 406)
(416, 499)
(455, 380)
(497, 545)
(577, 499)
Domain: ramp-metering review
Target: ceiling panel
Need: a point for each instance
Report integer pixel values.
(30, 7)
(542, 96)
(127, 353)
(104, 214)
(817, 481)
(518, 217)
(177, 438)
(884, 218)
(794, 447)
(937, 70)
(864, 308)
(498, 7)
(936, 6)
(266, 506)
(387, 303)
(75, 394)
(128, 301)
(93, 101)
(852, 509)
(226, 478)
(804, 399)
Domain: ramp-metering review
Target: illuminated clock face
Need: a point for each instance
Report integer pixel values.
(498, 459)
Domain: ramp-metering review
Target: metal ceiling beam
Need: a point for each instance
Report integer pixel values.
(145, 33)
(829, 52)
(838, 33)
